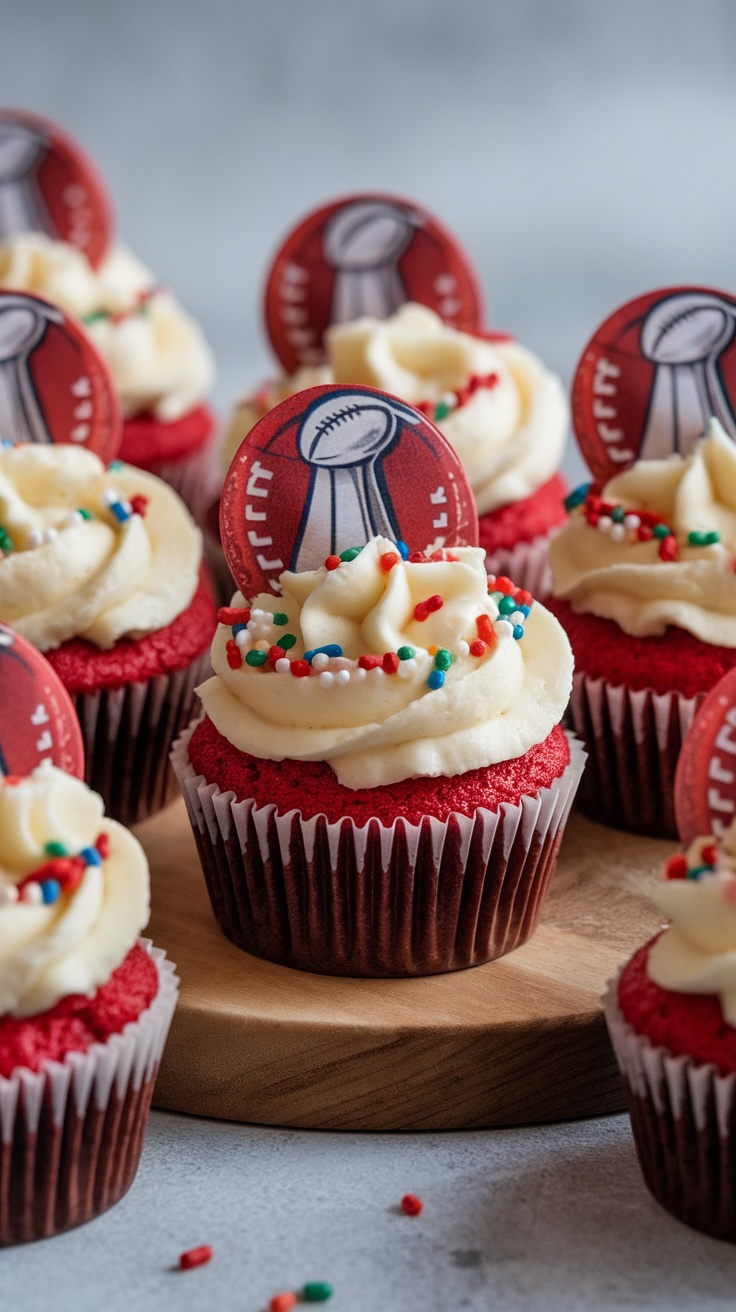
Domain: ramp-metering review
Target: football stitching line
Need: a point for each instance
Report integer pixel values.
(337, 417)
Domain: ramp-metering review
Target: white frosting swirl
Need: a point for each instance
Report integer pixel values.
(509, 436)
(626, 581)
(93, 577)
(73, 945)
(697, 952)
(374, 727)
(157, 353)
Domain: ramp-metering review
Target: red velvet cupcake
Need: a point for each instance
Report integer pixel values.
(644, 586)
(103, 573)
(85, 1006)
(672, 1019)
(382, 813)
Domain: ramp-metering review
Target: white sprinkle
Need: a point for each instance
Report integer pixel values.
(449, 399)
(504, 629)
(618, 533)
(34, 538)
(283, 665)
(262, 631)
(50, 534)
(342, 677)
(126, 506)
(632, 521)
(605, 524)
(378, 669)
(73, 519)
(243, 638)
(320, 660)
(360, 673)
(326, 679)
(407, 668)
(517, 617)
(8, 895)
(32, 894)
(259, 615)
(109, 497)
(463, 647)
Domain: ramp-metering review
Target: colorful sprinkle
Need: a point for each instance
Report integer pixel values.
(280, 619)
(484, 627)
(233, 615)
(369, 662)
(697, 539)
(232, 653)
(350, 554)
(283, 1302)
(255, 658)
(317, 1291)
(196, 1257)
(388, 560)
(329, 649)
(332, 562)
(139, 504)
(436, 679)
(406, 653)
(390, 662)
(424, 609)
(287, 641)
(443, 659)
(478, 648)
(411, 1205)
(667, 547)
(403, 550)
(300, 669)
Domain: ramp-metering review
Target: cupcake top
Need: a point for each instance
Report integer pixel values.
(657, 545)
(157, 353)
(74, 891)
(697, 952)
(389, 666)
(503, 412)
(90, 552)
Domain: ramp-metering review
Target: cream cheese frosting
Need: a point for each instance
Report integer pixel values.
(73, 943)
(504, 413)
(73, 569)
(159, 358)
(418, 668)
(697, 952)
(607, 569)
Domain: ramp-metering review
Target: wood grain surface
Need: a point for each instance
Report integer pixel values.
(517, 1041)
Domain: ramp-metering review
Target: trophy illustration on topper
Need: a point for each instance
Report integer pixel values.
(363, 242)
(344, 438)
(23, 323)
(23, 146)
(684, 335)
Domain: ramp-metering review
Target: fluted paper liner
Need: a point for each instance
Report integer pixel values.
(127, 734)
(683, 1116)
(197, 479)
(633, 740)
(526, 564)
(376, 900)
(71, 1134)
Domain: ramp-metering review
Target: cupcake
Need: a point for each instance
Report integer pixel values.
(101, 570)
(160, 362)
(644, 586)
(672, 1018)
(85, 1005)
(380, 783)
(501, 409)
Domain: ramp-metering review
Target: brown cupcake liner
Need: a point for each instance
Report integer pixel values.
(71, 1134)
(683, 1117)
(127, 734)
(633, 740)
(526, 564)
(374, 900)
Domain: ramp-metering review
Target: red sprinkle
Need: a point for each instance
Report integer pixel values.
(138, 504)
(300, 669)
(388, 560)
(283, 1302)
(424, 609)
(676, 867)
(103, 845)
(710, 854)
(418, 558)
(485, 629)
(644, 533)
(234, 658)
(390, 662)
(668, 548)
(478, 648)
(195, 1257)
(275, 654)
(332, 562)
(411, 1205)
(523, 598)
(233, 615)
(369, 662)
(504, 585)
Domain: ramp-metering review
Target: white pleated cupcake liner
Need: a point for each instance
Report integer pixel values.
(526, 564)
(683, 1117)
(127, 734)
(376, 900)
(633, 740)
(71, 1134)
(196, 478)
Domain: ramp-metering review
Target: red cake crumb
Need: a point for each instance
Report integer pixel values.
(686, 1024)
(82, 667)
(525, 520)
(312, 788)
(147, 440)
(76, 1022)
(673, 662)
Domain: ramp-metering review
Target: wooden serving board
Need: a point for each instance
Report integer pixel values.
(517, 1041)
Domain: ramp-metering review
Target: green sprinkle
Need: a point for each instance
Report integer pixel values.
(115, 465)
(255, 658)
(56, 849)
(699, 870)
(406, 653)
(443, 659)
(660, 531)
(497, 597)
(317, 1291)
(441, 410)
(95, 317)
(86, 514)
(507, 606)
(617, 514)
(287, 642)
(576, 497)
(351, 553)
(699, 539)
(280, 619)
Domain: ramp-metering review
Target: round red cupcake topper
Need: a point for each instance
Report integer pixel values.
(47, 184)
(54, 385)
(364, 255)
(705, 780)
(331, 467)
(653, 375)
(37, 719)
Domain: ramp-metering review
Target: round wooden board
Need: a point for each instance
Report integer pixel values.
(517, 1041)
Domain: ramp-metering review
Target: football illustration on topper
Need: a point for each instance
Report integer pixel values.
(47, 184)
(705, 780)
(54, 385)
(37, 719)
(363, 255)
(328, 469)
(653, 375)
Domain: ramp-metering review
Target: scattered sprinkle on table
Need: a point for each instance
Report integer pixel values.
(316, 1292)
(283, 1302)
(195, 1257)
(411, 1205)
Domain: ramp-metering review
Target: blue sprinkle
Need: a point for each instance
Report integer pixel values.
(524, 611)
(577, 496)
(50, 890)
(436, 679)
(518, 631)
(119, 511)
(330, 649)
(5, 443)
(403, 550)
(115, 466)
(238, 628)
(91, 856)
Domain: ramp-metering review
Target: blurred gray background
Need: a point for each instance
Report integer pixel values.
(582, 152)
